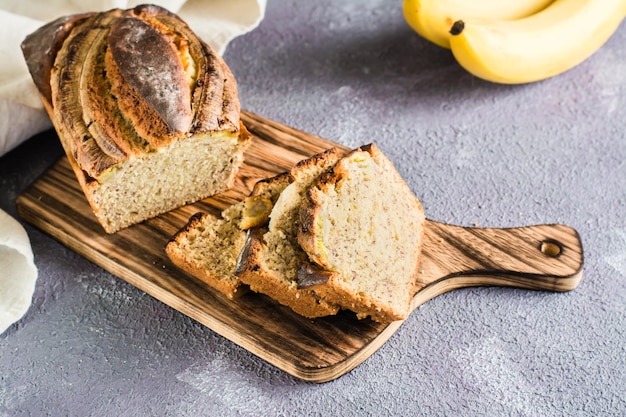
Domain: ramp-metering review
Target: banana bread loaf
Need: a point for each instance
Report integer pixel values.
(148, 114)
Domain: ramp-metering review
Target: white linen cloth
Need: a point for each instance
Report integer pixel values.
(18, 272)
(22, 115)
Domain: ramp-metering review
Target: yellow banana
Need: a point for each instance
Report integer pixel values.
(432, 19)
(540, 46)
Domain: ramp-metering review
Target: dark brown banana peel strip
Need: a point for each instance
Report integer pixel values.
(93, 154)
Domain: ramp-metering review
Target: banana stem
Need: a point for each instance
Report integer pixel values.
(457, 27)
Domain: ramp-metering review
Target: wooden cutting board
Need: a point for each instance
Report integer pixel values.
(544, 257)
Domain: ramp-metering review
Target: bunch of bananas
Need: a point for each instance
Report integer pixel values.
(516, 41)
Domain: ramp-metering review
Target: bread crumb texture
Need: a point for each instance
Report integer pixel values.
(157, 182)
(208, 248)
(365, 224)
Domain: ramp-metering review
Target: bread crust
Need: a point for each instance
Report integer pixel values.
(43, 45)
(148, 77)
(251, 270)
(150, 112)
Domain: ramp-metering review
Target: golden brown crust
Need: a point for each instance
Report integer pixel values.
(251, 270)
(67, 115)
(104, 91)
(303, 166)
(272, 187)
(215, 100)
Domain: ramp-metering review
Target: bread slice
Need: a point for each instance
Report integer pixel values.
(148, 114)
(361, 227)
(335, 232)
(271, 255)
(208, 247)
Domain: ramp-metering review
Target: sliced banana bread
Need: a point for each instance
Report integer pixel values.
(271, 255)
(344, 232)
(208, 246)
(362, 228)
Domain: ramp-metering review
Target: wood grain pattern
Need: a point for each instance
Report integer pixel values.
(314, 350)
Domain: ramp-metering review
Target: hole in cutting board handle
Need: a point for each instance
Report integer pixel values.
(551, 248)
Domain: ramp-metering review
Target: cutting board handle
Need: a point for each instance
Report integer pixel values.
(543, 257)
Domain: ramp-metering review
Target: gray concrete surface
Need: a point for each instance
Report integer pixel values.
(474, 152)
